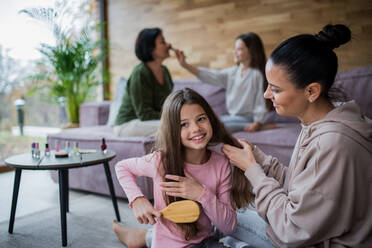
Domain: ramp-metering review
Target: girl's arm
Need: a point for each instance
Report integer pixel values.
(218, 206)
(206, 75)
(215, 77)
(129, 169)
(182, 61)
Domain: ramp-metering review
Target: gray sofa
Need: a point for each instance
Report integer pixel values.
(356, 83)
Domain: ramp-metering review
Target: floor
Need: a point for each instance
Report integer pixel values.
(37, 192)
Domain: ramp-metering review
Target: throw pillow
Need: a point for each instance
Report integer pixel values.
(116, 103)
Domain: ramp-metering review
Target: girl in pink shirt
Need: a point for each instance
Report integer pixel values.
(182, 167)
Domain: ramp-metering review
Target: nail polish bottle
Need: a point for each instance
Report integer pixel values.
(68, 147)
(104, 146)
(47, 150)
(76, 148)
(33, 149)
(57, 146)
(37, 150)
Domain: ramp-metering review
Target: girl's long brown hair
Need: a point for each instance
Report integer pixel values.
(168, 142)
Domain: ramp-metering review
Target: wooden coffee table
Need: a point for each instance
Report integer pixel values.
(26, 162)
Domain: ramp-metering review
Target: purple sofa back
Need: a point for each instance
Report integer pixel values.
(214, 95)
(357, 85)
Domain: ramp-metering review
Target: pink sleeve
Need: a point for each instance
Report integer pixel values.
(218, 207)
(129, 169)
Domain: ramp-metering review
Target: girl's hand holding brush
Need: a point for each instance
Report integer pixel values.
(144, 211)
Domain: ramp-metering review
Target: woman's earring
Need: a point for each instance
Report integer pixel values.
(310, 100)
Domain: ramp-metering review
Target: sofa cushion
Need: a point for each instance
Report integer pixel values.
(116, 103)
(214, 95)
(357, 85)
(94, 113)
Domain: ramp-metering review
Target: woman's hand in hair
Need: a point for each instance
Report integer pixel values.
(144, 211)
(242, 158)
(185, 187)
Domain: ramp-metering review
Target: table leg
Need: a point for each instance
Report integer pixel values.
(112, 190)
(17, 180)
(63, 174)
(67, 192)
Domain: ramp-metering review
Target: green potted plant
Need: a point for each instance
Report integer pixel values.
(70, 67)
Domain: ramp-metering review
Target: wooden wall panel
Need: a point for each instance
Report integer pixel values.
(206, 29)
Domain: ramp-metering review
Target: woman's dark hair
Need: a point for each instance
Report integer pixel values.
(310, 58)
(258, 58)
(168, 142)
(145, 43)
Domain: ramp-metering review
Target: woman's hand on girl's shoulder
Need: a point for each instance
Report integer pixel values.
(185, 187)
(144, 211)
(242, 158)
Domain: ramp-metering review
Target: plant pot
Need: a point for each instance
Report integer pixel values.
(70, 125)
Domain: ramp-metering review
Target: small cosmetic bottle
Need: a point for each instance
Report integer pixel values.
(33, 149)
(76, 148)
(37, 150)
(47, 150)
(104, 146)
(57, 146)
(68, 147)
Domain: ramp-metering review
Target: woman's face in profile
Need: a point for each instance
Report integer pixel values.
(241, 52)
(161, 50)
(287, 99)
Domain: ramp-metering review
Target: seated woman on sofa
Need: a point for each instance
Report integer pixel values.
(245, 84)
(148, 85)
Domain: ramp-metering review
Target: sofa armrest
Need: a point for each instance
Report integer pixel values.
(94, 113)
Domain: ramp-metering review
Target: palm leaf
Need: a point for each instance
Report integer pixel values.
(72, 62)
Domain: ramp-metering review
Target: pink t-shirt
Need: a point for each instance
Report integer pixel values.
(215, 203)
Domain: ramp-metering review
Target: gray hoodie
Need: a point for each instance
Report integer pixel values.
(324, 197)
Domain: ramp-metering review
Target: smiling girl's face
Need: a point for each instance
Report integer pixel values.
(287, 99)
(196, 129)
